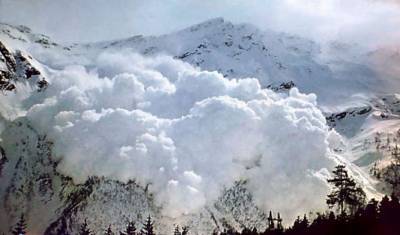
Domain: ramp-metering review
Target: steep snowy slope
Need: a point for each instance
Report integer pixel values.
(244, 51)
(32, 182)
(354, 84)
(334, 72)
(17, 67)
(372, 131)
(33, 185)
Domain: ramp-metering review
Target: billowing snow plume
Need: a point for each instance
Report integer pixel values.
(183, 132)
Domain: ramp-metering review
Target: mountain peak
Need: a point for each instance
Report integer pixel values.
(208, 23)
(212, 21)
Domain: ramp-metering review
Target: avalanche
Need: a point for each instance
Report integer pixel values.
(183, 132)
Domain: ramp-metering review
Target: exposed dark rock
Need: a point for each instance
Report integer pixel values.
(9, 58)
(42, 85)
(17, 68)
(3, 159)
(284, 86)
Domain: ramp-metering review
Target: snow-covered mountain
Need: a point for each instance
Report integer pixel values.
(356, 97)
(15, 66)
(31, 184)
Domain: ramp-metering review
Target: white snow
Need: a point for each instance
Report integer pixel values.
(186, 132)
(191, 125)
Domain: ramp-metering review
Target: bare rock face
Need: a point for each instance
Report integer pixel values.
(8, 66)
(283, 87)
(17, 67)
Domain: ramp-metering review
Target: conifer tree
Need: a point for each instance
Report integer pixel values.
(279, 226)
(271, 223)
(391, 174)
(185, 230)
(297, 222)
(245, 231)
(20, 227)
(109, 230)
(177, 231)
(85, 229)
(148, 227)
(346, 194)
(130, 229)
(304, 222)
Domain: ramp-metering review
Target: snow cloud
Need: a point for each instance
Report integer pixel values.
(184, 132)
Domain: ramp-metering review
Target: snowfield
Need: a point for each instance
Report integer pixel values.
(203, 127)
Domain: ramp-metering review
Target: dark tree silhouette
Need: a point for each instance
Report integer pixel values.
(391, 174)
(215, 232)
(185, 230)
(62, 229)
(272, 228)
(20, 227)
(229, 231)
(279, 226)
(85, 229)
(271, 223)
(130, 229)
(300, 226)
(109, 230)
(346, 194)
(177, 231)
(148, 228)
(246, 231)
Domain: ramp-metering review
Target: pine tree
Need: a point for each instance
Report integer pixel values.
(85, 229)
(245, 231)
(391, 174)
(385, 209)
(304, 222)
(185, 230)
(177, 231)
(20, 227)
(130, 229)
(389, 210)
(148, 227)
(109, 230)
(346, 195)
(279, 224)
(297, 223)
(271, 223)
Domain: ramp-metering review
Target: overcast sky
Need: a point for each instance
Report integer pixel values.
(368, 21)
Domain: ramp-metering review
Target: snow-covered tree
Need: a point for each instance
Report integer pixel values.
(20, 227)
(148, 228)
(130, 229)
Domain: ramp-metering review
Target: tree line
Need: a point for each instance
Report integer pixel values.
(349, 214)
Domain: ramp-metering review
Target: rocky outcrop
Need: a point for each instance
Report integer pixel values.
(284, 86)
(8, 67)
(354, 112)
(17, 67)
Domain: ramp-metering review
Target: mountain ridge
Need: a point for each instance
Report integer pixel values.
(278, 60)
